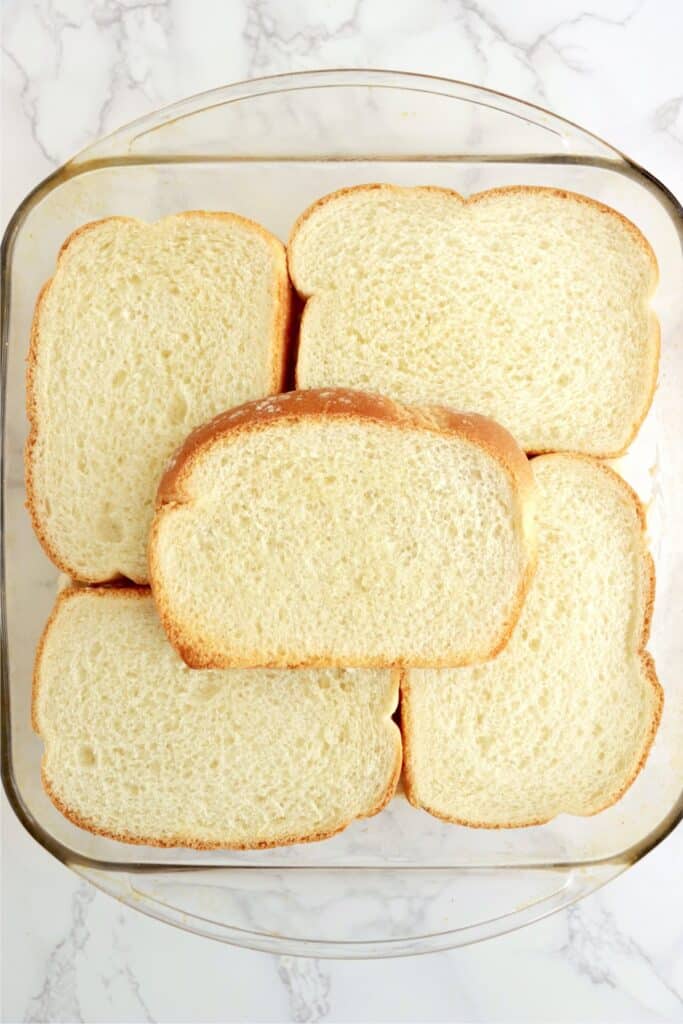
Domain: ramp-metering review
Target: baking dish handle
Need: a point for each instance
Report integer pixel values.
(311, 914)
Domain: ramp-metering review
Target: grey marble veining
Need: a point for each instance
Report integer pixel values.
(75, 69)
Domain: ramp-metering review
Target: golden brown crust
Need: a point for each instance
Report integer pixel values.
(478, 197)
(143, 593)
(645, 658)
(281, 338)
(338, 403)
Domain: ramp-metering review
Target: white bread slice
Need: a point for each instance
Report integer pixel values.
(145, 331)
(341, 528)
(529, 305)
(563, 719)
(140, 748)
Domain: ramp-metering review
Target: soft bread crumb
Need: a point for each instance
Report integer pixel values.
(529, 305)
(562, 720)
(346, 530)
(145, 331)
(141, 748)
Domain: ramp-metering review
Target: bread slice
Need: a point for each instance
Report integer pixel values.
(563, 719)
(529, 305)
(340, 528)
(145, 331)
(140, 748)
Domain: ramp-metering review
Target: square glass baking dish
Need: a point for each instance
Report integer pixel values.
(401, 882)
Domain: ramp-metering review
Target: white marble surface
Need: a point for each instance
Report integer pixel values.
(73, 69)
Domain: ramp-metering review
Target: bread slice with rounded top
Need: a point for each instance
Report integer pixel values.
(142, 749)
(563, 719)
(526, 304)
(340, 528)
(144, 332)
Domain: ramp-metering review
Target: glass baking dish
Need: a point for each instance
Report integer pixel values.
(401, 882)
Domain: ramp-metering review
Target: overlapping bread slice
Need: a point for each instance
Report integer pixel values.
(144, 332)
(529, 305)
(341, 528)
(563, 719)
(140, 748)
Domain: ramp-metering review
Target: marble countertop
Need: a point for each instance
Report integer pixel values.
(75, 69)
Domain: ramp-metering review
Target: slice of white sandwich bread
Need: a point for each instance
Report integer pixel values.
(527, 304)
(341, 528)
(563, 719)
(144, 332)
(142, 749)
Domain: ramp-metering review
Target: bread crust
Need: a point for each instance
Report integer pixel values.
(643, 656)
(128, 592)
(281, 342)
(337, 403)
(653, 340)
